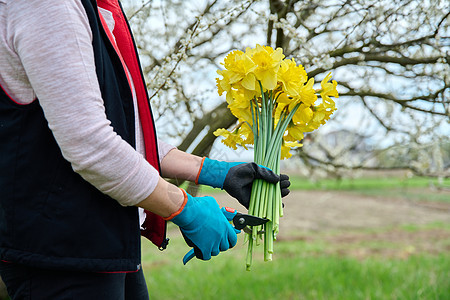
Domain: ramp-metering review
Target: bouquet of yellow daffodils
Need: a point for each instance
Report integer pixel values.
(275, 104)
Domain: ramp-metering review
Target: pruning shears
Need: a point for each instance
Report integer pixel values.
(240, 222)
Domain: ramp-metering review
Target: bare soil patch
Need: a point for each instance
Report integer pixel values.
(360, 225)
(330, 210)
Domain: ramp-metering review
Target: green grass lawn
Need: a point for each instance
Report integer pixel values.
(415, 188)
(367, 183)
(300, 270)
(319, 265)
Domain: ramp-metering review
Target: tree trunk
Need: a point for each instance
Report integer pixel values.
(219, 117)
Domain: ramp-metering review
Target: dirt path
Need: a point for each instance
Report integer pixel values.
(345, 219)
(317, 211)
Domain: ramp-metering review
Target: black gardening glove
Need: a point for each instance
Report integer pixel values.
(236, 178)
(239, 180)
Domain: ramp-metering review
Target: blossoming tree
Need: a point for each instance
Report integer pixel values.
(390, 59)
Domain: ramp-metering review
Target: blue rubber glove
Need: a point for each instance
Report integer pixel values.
(229, 215)
(204, 227)
(214, 172)
(236, 178)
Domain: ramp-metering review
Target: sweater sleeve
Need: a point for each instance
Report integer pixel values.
(163, 149)
(57, 56)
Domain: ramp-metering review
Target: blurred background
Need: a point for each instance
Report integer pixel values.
(369, 212)
(368, 216)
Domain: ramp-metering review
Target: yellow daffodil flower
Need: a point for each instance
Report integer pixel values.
(294, 133)
(288, 84)
(282, 97)
(278, 112)
(223, 85)
(303, 114)
(243, 114)
(292, 77)
(267, 63)
(231, 139)
(286, 147)
(239, 65)
(285, 152)
(328, 89)
(247, 133)
(307, 93)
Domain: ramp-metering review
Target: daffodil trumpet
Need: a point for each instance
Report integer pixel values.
(275, 104)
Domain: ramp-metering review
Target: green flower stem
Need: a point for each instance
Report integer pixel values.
(268, 242)
(249, 258)
(259, 159)
(277, 138)
(265, 201)
(269, 201)
(269, 114)
(254, 127)
(279, 204)
(255, 119)
(253, 208)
